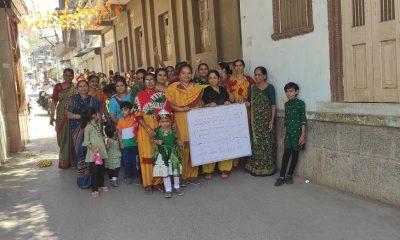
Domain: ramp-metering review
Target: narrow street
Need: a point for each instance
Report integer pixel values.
(46, 204)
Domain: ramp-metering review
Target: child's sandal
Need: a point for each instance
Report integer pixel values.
(95, 194)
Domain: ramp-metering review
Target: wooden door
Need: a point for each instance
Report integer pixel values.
(370, 49)
(386, 50)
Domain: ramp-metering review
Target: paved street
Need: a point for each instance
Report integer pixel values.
(46, 204)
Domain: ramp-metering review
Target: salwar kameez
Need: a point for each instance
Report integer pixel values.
(240, 94)
(218, 97)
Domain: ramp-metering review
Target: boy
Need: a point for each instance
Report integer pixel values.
(127, 126)
(294, 133)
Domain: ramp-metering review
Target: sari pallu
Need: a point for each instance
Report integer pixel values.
(147, 104)
(76, 105)
(64, 141)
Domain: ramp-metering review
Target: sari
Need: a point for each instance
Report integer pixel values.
(76, 105)
(146, 106)
(262, 162)
(61, 96)
(180, 96)
(240, 93)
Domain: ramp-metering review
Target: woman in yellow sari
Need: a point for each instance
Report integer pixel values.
(147, 103)
(238, 85)
(183, 96)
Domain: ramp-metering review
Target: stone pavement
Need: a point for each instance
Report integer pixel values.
(46, 204)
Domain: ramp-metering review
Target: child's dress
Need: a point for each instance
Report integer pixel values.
(114, 155)
(167, 162)
(94, 137)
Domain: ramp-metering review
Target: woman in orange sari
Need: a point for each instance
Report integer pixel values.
(237, 87)
(147, 104)
(183, 96)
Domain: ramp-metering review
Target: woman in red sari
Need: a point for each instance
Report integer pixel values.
(61, 94)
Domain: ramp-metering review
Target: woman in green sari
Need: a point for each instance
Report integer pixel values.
(61, 95)
(261, 97)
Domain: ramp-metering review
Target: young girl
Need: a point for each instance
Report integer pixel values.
(167, 160)
(113, 162)
(94, 141)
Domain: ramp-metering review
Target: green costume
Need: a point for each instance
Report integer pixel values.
(167, 161)
(295, 117)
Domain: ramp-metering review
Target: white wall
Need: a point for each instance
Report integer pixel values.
(303, 59)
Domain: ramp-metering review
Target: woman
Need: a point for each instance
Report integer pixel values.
(96, 92)
(61, 94)
(121, 96)
(202, 71)
(147, 104)
(161, 79)
(213, 96)
(76, 105)
(263, 110)
(225, 71)
(238, 86)
(183, 96)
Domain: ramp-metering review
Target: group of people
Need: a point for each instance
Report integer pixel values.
(139, 122)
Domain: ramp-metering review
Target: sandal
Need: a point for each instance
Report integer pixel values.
(95, 194)
(208, 176)
(104, 189)
(148, 190)
(224, 175)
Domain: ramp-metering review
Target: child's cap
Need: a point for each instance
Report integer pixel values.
(164, 114)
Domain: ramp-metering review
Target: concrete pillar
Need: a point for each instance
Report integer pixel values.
(15, 115)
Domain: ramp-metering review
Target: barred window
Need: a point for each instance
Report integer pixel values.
(292, 18)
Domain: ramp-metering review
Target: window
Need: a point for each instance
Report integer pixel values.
(292, 18)
(201, 18)
(126, 53)
(139, 47)
(165, 37)
(108, 38)
(358, 13)
(121, 56)
(387, 10)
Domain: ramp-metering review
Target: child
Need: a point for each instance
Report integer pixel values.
(127, 127)
(94, 141)
(294, 133)
(167, 160)
(113, 162)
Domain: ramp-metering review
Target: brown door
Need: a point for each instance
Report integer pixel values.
(371, 51)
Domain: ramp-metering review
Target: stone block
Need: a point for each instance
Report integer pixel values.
(389, 181)
(396, 143)
(349, 138)
(323, 135)
(376, 141)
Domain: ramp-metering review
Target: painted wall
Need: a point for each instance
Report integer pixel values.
(303, 59)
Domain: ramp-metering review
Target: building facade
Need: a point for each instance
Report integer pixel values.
(343, 55)
(13, 106)
(182, 30)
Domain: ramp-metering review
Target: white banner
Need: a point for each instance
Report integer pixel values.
(218, 133)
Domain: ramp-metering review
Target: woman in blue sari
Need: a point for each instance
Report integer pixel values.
(76, 105)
